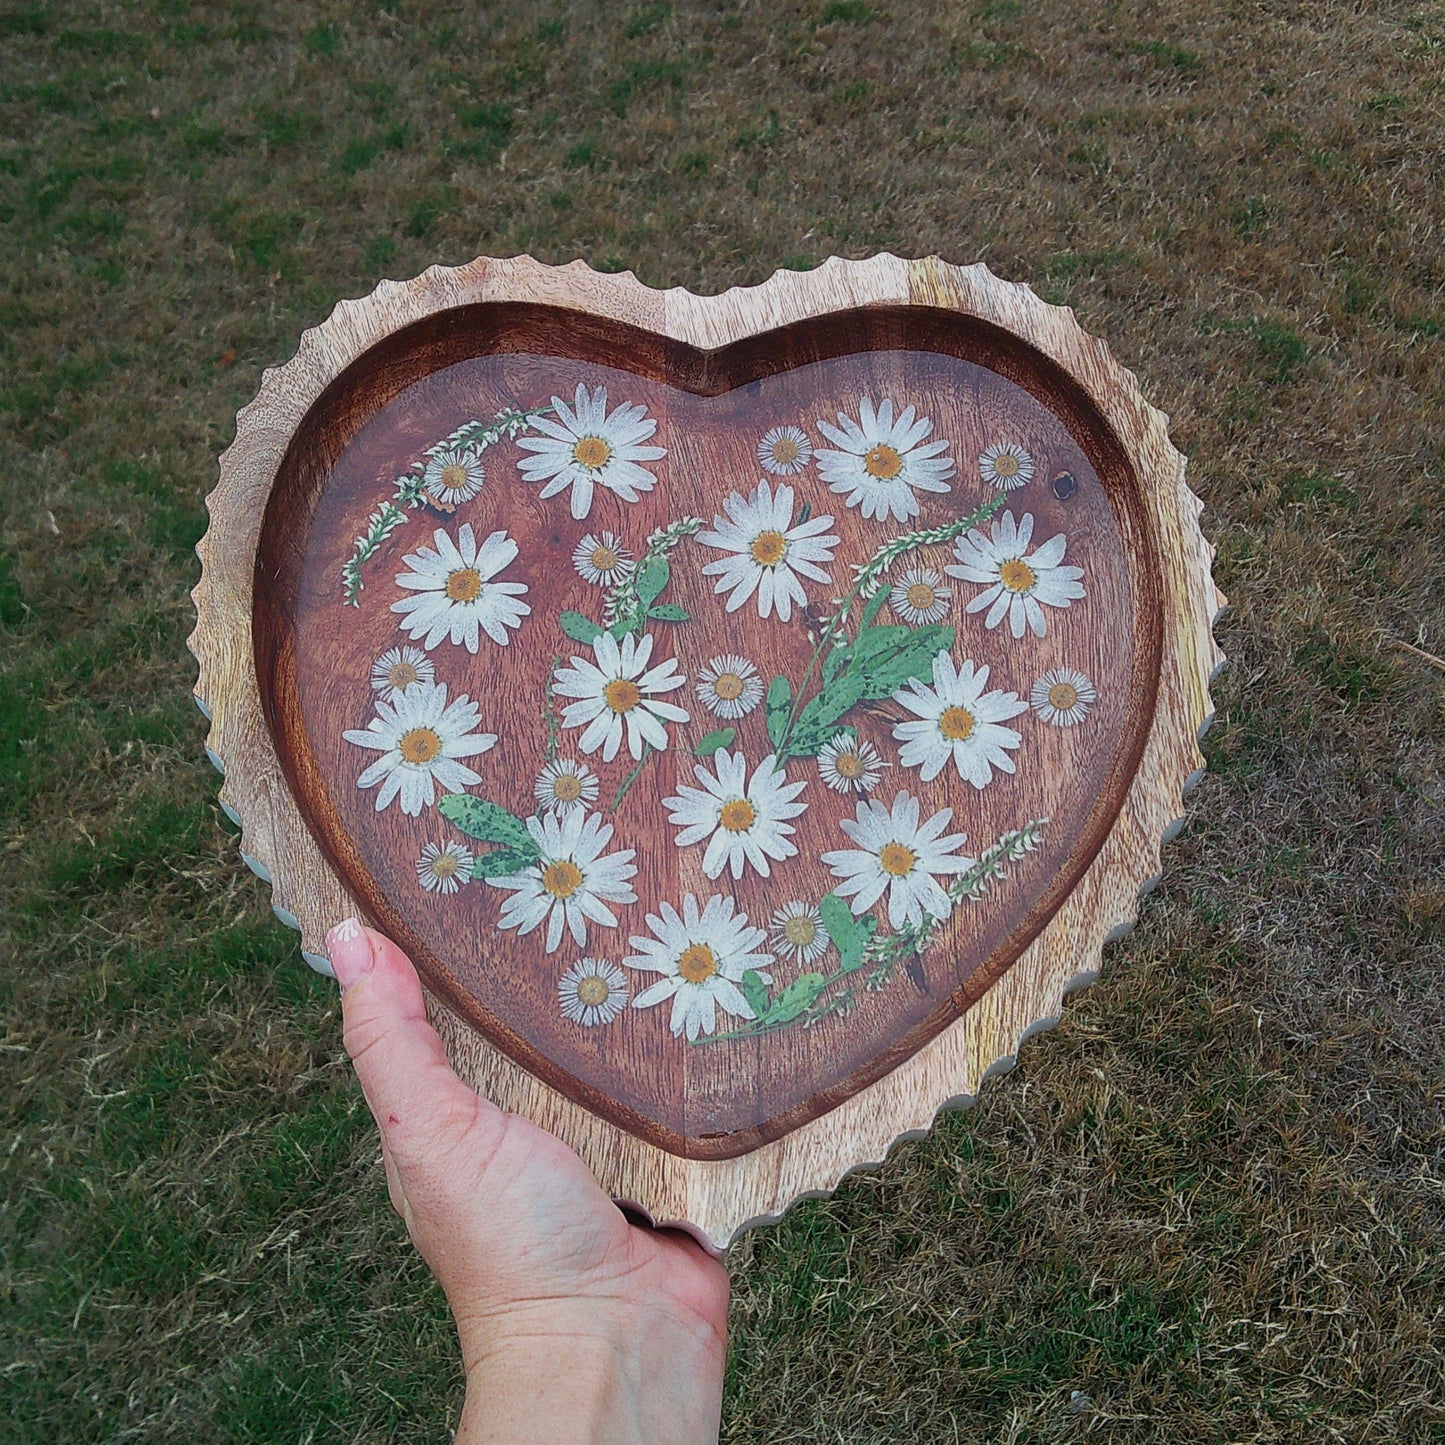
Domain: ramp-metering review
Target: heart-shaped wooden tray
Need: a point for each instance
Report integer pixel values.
(751, 712)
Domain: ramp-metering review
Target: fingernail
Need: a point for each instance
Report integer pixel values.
(350, 950)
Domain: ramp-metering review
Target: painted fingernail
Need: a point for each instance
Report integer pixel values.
(350, 951)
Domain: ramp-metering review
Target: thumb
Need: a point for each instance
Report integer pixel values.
(419, 1103)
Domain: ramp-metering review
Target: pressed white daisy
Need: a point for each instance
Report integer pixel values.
(729, 686)
(585, 447)
(1006, 467)
(1020, 583)
(397, 668)
(882, 462)
(453, 476)
(785, 451)
(798, 932)
(896, 854)
(601, 559)
(562, 786)
(1063, 697)
(420, 737)
(617, 695)
(444, 867)
(573, 880)
(919, 595)
(592, 992)
(956, 718)
(849, 765)
(744, 820)
(456, 596)
(769, 552)
(701, 954)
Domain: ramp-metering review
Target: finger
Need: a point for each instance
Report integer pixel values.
(419, 1103)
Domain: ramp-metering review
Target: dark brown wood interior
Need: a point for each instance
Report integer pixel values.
(389, 369)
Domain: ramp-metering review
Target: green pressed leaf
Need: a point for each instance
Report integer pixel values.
(706, 746)
(851, 936)
(503, 862)
(788, 1004)
(874, 607)
(779, 705)
(755, 991)
(668, 612)
(893, 662)
(836, 661)
(651, 578)
(478, 818)
(579, 628)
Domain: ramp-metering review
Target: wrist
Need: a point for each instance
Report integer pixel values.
(577, 1371)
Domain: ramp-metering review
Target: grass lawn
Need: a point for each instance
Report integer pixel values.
(1209, 1206)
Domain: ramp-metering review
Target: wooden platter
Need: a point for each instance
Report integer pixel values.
(752, 712)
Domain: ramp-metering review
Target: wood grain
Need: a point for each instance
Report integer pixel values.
(820, 1111)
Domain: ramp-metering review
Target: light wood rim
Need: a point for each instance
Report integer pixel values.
(717, 1199)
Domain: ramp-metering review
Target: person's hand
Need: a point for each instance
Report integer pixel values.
(575, 1325)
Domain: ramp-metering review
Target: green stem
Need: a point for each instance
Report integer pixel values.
(627, 782)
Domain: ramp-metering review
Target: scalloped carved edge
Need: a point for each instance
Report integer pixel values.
(716, 1200)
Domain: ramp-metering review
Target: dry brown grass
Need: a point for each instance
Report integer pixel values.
(1208, 1207)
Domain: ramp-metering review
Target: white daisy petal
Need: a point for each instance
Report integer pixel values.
(592, 991)
(746, 823)
(398, 668)
(1020, 583)
(848, 765)
(444, 867)
(454, 591)
(958, 721)
(798, 934)
(729, 686)
(919, 596)
(785, 451)
(618, 696)
(1005, 466)
(1063, 697)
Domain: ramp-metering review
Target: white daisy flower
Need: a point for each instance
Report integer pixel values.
(1020, 583)
(882, 462)
(592, 992)
(616, 693)
(444, 867)
(919, 596)
(420, 736)
(770, 553)
(744, 820)
(785, 451)
(562, 786)
(729, 686)
(956, 718)
(1063, 697)
(573, 881)
(1006, 467)
(584, 447)
(798, 931)
(848, 765)
(896, 854)
(397, 668)
(602, 559)
(456, 597)
(453, 476)
(701, 954)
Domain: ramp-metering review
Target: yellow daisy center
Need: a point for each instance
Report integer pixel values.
(591, 452)
(1006, 465)
(1063, 695)
(956, 724)
(921, 597)
(849, 765)
(785, 451)
(621, 695)
(443, 865)
(800, 931)
(567, 787)
(897, 859)
(562, 878)
(454, 478)
(604, 559)
(593, 991)
(401, 675)
(738, 816)
(420, 745)
(697, 964)
(883, 462)
(1016, 575)
(729, 686)
(768, 548)
(464, 584)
